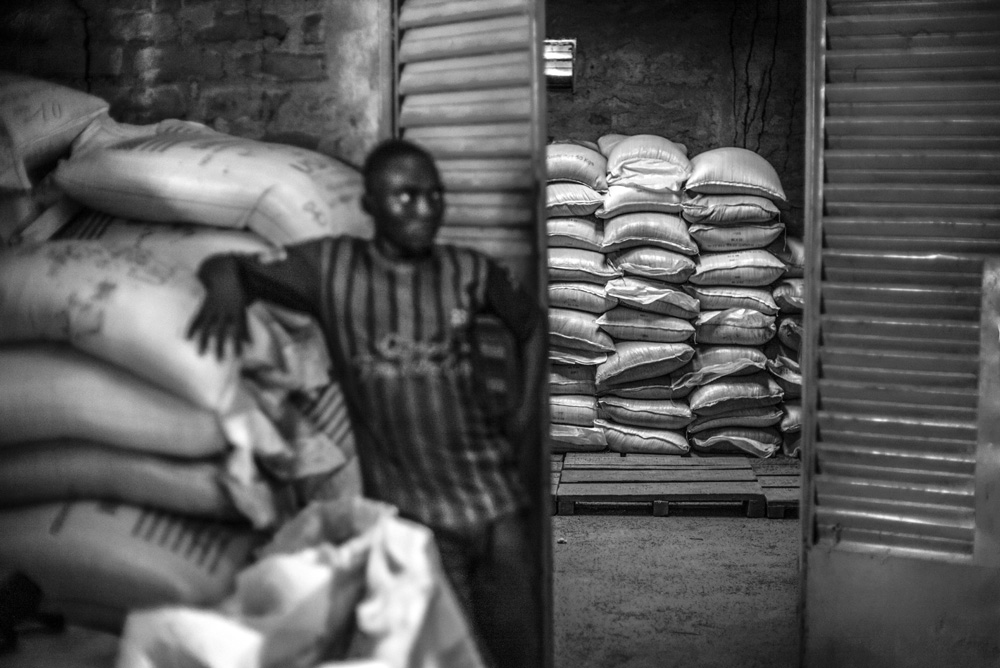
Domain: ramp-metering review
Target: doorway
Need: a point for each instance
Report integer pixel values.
(702, 76)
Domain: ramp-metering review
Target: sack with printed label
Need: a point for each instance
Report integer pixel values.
(283, 193)
(105, 131)
(648, 162)
(51, 391)
(627, 324)
(576, 409)
(580, 296)
(652, 262)
(577, 330)
(574, 264)
(760, 442)
(38, 122)
(625, 199)
(574, 232)
(650, 413)
(72, 469)
(734, 327)
(628, 439)
(577, 164)
(732, 170)
(125, 307)
(747, 268)
(647, 229)
(735, 392)
(637, 360)
(721, 210)
(96, 561)
(715, 239)
(722, 297)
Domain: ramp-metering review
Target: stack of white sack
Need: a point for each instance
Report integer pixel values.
(32, 139)
(640, 409)
(578, 272)
(784, 352)
(136, 470)
(733, 212)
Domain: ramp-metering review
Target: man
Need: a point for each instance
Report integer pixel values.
(398, 313)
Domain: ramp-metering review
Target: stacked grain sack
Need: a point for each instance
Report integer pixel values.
(135, 471)
(734, 217)
(578, 272)
(641, 409)
(38, 122)
(784, 353)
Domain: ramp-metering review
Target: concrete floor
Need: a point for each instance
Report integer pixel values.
(658, 592)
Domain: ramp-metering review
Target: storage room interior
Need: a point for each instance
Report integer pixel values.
(312, 73)
(643, 561)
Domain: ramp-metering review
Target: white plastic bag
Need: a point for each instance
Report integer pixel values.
(344, 583)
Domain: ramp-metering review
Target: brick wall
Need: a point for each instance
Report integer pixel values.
(705, 74)
(308, 72)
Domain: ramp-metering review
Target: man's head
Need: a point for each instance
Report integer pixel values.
(403, 194)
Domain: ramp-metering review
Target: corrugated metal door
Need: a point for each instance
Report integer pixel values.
(901, 549)
(470, 89)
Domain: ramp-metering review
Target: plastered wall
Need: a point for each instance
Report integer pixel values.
(705, 74)
(309, 72)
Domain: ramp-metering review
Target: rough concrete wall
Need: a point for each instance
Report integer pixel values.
(309, 72)
(705, 74)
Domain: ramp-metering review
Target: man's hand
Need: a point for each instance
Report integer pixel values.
(223, 314)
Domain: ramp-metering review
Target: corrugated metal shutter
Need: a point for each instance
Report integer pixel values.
(469, 82)
(909, 205)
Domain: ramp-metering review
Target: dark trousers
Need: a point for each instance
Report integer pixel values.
(494, 573)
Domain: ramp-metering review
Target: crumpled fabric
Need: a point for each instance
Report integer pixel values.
(343, 584)
(289, 419)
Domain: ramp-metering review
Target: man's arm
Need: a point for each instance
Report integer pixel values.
(520, 313)
(233, 282)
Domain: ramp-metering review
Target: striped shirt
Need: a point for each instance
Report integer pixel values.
(400, 334)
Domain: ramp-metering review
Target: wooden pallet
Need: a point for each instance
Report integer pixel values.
(661, 481)
(557, 465)
(780, 480)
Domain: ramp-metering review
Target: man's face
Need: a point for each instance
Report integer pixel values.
(406, 203)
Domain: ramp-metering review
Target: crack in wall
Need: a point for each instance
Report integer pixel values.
(86, 43)
(732, 60)
(748, 84)
(763, 96)
(753, 73)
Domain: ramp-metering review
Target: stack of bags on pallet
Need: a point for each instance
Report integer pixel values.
(641, 408)
(578, 272)
(784, 351)
(680, 291)
(135, 470)
(733, 215)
